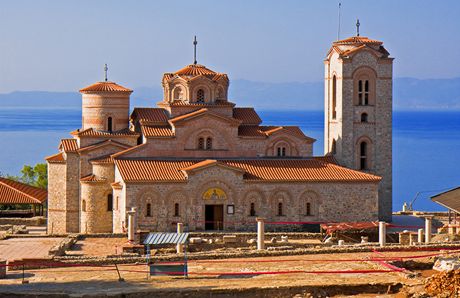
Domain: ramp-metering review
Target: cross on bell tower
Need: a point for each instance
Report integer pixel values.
(357, 27)
(194, 50)
(105, 71)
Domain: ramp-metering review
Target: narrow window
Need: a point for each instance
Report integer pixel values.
(148, 212)
(366, 92)
(308, 209)
(200, 95)
(281, 151)
(364, 117)
(117, 202)
(201, 143)
(83, 206)
(360, 92)
(334, 147)
(334, 97)
(176, 209)
(363, 156)
(252, 211)
(208, 143)
(280, 209)
(109, 124)
(109, 202)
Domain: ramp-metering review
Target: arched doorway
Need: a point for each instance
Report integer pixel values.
(214, 208)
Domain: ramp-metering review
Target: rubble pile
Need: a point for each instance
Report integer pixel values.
(444, 284)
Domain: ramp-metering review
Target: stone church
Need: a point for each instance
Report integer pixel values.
(199, 159)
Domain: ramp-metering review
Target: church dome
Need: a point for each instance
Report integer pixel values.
(195, 70)
(358, 40)
(105, 87)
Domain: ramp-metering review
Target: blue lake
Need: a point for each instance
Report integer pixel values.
(426, 145)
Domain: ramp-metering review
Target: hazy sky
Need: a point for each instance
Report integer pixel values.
(63, 45)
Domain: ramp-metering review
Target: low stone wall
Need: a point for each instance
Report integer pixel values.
(34, 221)
(65, 244)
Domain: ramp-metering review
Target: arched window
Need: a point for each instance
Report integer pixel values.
(178, 94)
(363, 156)
(148, 211)
(109, 124)
(176, 209)
(280, 209)
(334, 97)
(281, 151)
(363, 92)
(364, 117)
(109, 202)
(208, 143)
(83, 206)
(201, 143)
(200, 95)
(308, 209)
(252, 211)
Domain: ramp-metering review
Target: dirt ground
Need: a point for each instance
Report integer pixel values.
(208, 275)
(97, 246)
(17, 248)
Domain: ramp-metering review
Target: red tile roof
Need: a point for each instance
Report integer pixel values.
(68, 145)
(195, 70)
(106, 159)
(222, 103)
(56, 158)
(358, 40)
(105, 87)
(157, 131)
(91, 132)
(12, 192)
(92, 178)
(150, 115)
(248, 116)
(202, 112)
(274, 170)
(207, 163)
(265, 131)
(103, 143)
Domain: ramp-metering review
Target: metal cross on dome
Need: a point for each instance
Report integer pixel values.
(357, 27)
(194, 50)
(105, 71)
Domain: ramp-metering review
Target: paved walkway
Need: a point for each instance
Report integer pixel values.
(17, 248)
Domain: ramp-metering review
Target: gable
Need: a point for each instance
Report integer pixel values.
(203, 114)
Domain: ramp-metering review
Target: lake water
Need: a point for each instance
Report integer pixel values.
(426, 145)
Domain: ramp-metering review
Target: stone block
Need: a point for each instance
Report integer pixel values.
(230, 239)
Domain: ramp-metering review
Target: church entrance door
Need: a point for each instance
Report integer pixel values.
(214, 217)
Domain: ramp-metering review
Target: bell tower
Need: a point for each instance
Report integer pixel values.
(358, 110)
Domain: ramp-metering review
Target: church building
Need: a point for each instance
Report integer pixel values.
(199, 159)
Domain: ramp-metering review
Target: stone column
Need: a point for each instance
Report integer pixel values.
(382, 233)
(260, 233)
(180, 230)
(420, 236)
(131, 223)
(428, 220)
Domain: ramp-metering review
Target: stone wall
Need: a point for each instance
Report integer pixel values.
(97, 218)
(330, 202)
(57, 198)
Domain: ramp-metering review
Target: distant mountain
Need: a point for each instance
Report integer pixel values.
(408, 94)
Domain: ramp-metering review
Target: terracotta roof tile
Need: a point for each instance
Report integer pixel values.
(12, 192)
(157, 131)
(248, 116)
(116, 185)
(195, 70)
(103, 143)
(207, 163)
(265, 131)
(56, 158)
(358, 40)
(222, 103)
(282, 170)
(91, 132)
(68, 145)
(92, 178)
(150, 115)
(105, 87)
(106, 159)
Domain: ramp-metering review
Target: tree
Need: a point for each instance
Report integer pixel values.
(35, 176)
